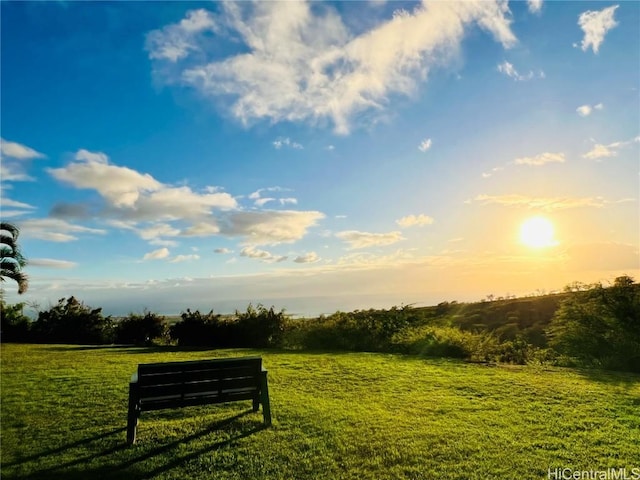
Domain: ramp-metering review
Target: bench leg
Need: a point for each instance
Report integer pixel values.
(132, 415)
(264, 399)
(256, 403)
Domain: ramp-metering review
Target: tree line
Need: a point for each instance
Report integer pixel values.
(594, 326)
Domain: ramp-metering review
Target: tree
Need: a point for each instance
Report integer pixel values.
(11, 259)
(600, 326)
(71, 321)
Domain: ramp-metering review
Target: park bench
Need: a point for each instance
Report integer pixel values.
(158, 386)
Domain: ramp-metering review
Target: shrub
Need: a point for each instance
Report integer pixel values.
(71, 321)
(196, 329)
(259, 327)
(16, 327)
(141, 329)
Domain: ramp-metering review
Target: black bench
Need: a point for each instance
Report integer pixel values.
(157, 386)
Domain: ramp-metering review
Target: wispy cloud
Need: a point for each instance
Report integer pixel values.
(585, 110)
(265, 256)
(304, 64)
(547, 204)
(157, 254)
(55, 230)
(357, 239)
(541, 159)
(509, 70)
(51, 263)
(184, 258)
(311, 257)
(18, 151)
(14, 158)
(222, 251)
(174, 42)
(278, 143)
(595, 25)
(425, 145)
(535, 6)
(611, 150)
(415, 221)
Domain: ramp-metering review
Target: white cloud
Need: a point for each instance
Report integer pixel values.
(184, 258)
(270, 227)
(120, 185)
(18, 151)
(156, 254)
(611, 150)
(51, 263)
(83, 155)
(13, 172)
(202, 229)
(425, 145)
(357, 239)
(138, 196)
(252, 252)
(55, 230)
(152, 209)
(175, 41)
(278, 143)
(260, 202)
(311, 257)
(303, 64)
(535, 6)
(7, 202)
(415, 220)
(540, 159)
(509, 70)
(586, 110)
(595, 25)
(156, 231)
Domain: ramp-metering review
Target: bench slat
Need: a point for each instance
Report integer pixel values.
(251, 383)
(173, 376)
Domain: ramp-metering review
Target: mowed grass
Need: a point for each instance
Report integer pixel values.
(336, 416)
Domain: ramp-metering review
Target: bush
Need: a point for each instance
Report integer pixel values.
(361, 330)
(196, 329)
(16, 327)
(259, 327)
(71, 321)
(141, 329)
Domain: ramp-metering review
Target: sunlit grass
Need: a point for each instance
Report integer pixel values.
(351, 416)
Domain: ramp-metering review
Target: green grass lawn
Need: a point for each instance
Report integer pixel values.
(336, 415)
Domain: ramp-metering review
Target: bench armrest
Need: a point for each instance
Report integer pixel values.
(134, 378)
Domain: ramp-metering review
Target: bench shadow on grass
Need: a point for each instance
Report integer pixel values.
(128, 461)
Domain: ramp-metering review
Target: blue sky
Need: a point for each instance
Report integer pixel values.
(319, 156)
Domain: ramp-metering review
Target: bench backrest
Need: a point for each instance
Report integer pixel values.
(217, 380)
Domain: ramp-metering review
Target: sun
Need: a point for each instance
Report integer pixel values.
(537, 232)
